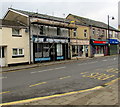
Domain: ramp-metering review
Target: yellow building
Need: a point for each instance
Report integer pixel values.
(79, 40)
(14, 43)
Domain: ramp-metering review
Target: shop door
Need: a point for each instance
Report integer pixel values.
(53, 52)
(2, 56)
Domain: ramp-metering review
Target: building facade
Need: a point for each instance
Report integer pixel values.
(97, 35)
(79, 40)
(48, 36)
(14, 44)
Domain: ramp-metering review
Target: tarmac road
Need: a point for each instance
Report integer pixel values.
(60, 78)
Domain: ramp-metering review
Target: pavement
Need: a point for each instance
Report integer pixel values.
(27, 66)
(107, 95)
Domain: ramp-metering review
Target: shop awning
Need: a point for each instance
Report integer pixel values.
(114, 41)
(98, 42)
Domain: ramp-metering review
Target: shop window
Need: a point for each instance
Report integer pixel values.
(16, 32)
(74, 50)
(59, 50)
(18, 52)
(85, 33)
(46, 50)
(2, 54)
(38, 50)
(99, 49)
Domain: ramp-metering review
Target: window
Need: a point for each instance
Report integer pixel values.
(59, 50)
(58, 31)
(93, 31)
(74, 32)
(2, 54)
(18, 52)
(16, 32)
(74, 50)
(85, 33)
(41, 30)
(111, 34)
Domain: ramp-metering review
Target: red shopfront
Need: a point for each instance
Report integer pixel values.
(99, 47)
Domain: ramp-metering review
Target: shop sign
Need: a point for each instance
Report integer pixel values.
(38, 40)
(114, 41)
(57, 40)
(100, 42)
(80, 42)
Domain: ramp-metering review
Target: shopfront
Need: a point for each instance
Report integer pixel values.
(114, 46)
(99, 47)
(79, 48)
(49, 48)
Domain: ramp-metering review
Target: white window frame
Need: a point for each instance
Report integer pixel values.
(18, 52)
(19, 34)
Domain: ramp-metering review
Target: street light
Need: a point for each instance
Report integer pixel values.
(109, 32)
(109, 25)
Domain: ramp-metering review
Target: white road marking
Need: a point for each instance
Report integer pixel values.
(104, 60)
(88, 63)
(3, 77)
(48, 70)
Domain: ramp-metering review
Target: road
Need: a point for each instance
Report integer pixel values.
(60, 78)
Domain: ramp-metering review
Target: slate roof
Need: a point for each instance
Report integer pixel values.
(89, 22)
(10, 23)
(44, 16)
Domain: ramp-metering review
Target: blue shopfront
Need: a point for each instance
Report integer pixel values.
(50, 48)
(114, 46)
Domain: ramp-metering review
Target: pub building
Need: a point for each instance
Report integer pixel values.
(99, 47)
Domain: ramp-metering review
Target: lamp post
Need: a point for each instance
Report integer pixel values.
(109, 32)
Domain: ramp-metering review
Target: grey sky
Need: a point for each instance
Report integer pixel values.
(93, 9)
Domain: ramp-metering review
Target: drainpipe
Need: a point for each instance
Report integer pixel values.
(29, 40)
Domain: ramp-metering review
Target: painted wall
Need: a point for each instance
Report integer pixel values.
(15, 42)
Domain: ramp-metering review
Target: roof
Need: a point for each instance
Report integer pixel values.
(89, 22)
(10, 23)
(44, 16)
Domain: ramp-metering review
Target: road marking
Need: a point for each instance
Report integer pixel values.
(37, 84)
(99, 76)
(5, 92)
(104, 60)
(83, 72)
(88, 63)
(112, 70)
(48, 97)
(48, 70)
(64, 77)
(92, 62)
(3, 77)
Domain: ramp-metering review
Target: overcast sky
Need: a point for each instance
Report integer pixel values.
(93, 9)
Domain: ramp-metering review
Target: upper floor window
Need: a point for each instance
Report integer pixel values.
(111, 34)
(74, 32)
(41, 30)
(93, 32)
(58, 31)
(98, 32)
(116, 34)
(85, 33)
(16, 32)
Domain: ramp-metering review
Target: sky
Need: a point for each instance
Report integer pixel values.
(93, 9)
